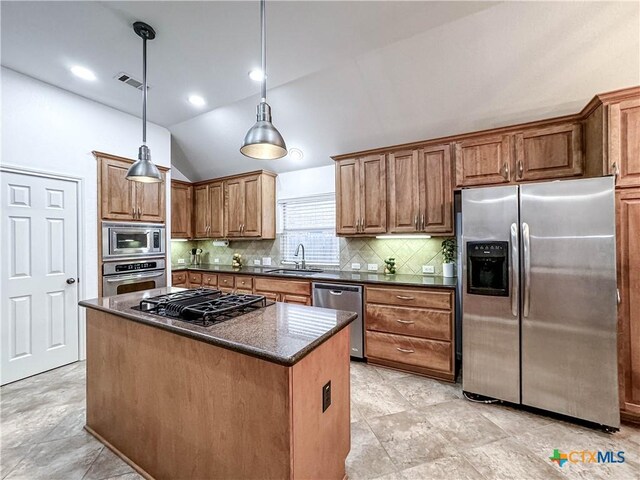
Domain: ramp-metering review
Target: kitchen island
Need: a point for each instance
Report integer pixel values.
(262, 395)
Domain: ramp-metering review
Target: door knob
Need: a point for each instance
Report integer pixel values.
(71, 281)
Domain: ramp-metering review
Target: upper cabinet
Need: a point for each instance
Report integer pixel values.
(208, 210)
(181, 209)
(624, 142)
(404, 193)
(549, 152)
(122, 199)
(484, 161)
(249, 209)
(361, 202)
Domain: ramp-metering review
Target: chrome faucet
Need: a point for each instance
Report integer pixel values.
(303, 263)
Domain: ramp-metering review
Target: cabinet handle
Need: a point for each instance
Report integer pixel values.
(506, 171)
(422, 221)
(362, 225)
(357, 225)
(404, 350)
(139, 213)
(615, 170)
(406, 322)
(133, 212)
(520, 169)
(404, 297)
(415, 221)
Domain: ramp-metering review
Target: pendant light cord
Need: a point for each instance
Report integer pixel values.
(144, 90)
(263, 28)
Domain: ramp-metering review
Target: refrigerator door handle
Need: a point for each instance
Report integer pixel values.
(515, 270)
(526, 247)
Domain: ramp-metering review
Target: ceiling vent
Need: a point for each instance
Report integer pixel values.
(129, 80)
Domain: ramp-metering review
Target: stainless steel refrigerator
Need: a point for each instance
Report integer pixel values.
(539, 296)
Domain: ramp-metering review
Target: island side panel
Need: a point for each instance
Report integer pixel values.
(180, 408)
(322, 440)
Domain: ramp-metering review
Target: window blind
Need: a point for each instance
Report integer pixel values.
(312, 222)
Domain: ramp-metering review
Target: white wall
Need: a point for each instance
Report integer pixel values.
(303, 183)
(49, 129)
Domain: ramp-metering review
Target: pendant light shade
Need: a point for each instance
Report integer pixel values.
(263, 141)
(143, 170)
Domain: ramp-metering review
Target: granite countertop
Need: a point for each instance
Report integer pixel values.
(281, 333)
(330, 275)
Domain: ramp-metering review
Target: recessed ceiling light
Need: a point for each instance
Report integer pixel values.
(295, 154)
(83, 73)
(256, 75)
(197, 100)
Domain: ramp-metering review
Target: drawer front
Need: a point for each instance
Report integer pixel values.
(274, 297)
(410, 297)
(179, 278)
(242, 291)
(432, 354)
(225, 281)
(283, 286)
(244, 282)
(195, 278)
(415, 322)
(209, 280)
(225, 289)
(299, 299)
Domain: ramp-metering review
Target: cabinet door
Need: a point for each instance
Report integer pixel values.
(150, 201)
(628, 257)
(179, 279)
(404, 201)
(201, 211)
(483, 161)
(373, 205)
(116, 192)
(347, 197)
(624, 142)
(252, 202)
(234, 207)
(297, 299)
(273, 296)
(436, 190)
(215, 210)
(551, 152)
(181, 210)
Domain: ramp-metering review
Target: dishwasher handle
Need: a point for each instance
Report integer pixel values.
(335, 292)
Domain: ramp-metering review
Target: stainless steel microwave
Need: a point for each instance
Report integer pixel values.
(122, 240)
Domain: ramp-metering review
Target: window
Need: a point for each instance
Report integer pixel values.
(312, 222)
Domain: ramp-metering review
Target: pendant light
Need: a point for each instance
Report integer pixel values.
(144, 170)
(263, 141)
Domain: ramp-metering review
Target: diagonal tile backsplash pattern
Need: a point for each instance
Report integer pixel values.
(410, 254)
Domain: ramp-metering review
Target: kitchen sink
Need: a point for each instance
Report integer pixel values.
(295, 272)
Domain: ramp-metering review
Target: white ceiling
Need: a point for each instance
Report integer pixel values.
(343, 76)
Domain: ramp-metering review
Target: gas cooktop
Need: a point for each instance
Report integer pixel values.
(202, 306)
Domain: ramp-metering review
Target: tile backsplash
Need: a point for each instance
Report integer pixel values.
(410, 254)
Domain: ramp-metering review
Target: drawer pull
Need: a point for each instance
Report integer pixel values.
(404, 297)
(406, 322)
(404, 350)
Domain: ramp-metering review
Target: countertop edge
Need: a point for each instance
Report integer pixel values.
(227, 344)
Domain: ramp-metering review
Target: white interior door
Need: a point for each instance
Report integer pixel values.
(39, 270)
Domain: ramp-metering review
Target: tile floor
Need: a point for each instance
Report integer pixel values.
(403, 427)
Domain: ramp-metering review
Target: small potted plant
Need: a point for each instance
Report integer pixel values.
(390, 266)
(448, 256)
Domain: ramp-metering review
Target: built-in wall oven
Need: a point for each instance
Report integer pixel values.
(133, 276)
(132, 240)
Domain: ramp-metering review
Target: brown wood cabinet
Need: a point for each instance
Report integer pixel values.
(179, 279)
(421, 191)
(624, 142)
(122, 199)
(181, 209)
(249, 207)
(361, 200)
(549, 152)
(411, 329)
(208, 210)
(485, 160)
(628, 250)
(288, 291)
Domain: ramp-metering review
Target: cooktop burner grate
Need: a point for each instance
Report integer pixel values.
(202, 306)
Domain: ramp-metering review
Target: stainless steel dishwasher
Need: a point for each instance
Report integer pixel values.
(343, 297)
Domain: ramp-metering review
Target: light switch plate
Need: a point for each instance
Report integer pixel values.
(428, 269)
(180, 261)
(266, 261)
(355, 266)
(372, 267)
(256, 262)
(216, 260)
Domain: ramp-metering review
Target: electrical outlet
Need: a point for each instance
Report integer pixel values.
(428, 269)
(355, 266)
(216, 260)
(180, 261)
(266, 261)
(372, 267)
(256, 262)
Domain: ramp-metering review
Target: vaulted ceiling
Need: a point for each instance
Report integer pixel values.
(343, 76)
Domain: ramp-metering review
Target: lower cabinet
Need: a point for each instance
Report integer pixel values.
(179, 279)
(287, 291)
(411, 329)
(194, 279)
